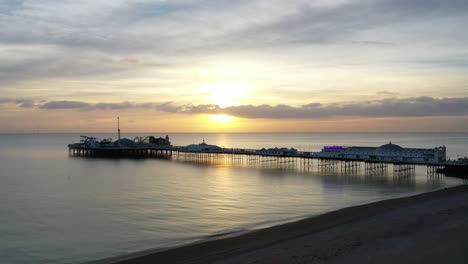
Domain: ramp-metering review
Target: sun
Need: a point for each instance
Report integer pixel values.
(221, 118)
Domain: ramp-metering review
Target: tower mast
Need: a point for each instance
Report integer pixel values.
(118, 126)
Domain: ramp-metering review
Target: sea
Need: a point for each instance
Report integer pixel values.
(56, 208)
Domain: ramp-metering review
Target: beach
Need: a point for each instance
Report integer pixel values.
(426, 228)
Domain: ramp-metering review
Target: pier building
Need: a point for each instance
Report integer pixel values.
(386, 153)
(202, 147)
(277, 151)
(160, 141)
(123, 147)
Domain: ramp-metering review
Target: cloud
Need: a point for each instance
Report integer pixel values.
(65, 105)
(408, 107)
(344, 23)
(392, 107)
(169, 107)
(54, 105)
(125, 25)
(26, 103)
(387, 94)
(23, 103)
(114, 106)
(81, 38)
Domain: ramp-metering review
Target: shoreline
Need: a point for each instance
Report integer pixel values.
(252, 243)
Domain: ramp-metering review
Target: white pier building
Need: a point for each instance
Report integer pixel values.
(386, 153)
(203, 147)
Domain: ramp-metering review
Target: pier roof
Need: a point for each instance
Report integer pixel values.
(390, 147)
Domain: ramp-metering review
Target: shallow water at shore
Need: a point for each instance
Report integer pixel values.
(62, 209)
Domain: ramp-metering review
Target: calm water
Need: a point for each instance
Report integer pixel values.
(61, 209)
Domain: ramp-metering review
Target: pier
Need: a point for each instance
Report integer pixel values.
(161, 148)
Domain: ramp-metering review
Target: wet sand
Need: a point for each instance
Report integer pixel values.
(426, 228)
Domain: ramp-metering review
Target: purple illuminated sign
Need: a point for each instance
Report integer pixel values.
(333, 147)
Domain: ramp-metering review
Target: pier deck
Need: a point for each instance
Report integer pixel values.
(253, 156)
(330, 158)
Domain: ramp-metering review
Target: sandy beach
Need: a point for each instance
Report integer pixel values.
(426, 228)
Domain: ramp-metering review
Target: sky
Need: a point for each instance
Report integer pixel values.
(233, 66)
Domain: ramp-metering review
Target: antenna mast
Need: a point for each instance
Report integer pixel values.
(118, 126)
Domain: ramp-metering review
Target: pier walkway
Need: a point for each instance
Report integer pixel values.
(255, 157)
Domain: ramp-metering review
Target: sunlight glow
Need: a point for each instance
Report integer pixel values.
(221, 118)
(226, 94)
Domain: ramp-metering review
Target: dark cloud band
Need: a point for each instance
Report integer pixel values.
(408, 107)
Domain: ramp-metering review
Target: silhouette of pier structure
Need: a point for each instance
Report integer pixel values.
(161, 148)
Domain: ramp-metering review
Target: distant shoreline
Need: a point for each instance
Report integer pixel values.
(262, 245)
